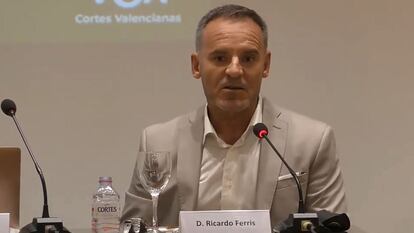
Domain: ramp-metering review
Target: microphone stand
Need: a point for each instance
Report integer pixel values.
(301, 208)
(302, 222)
(45, 213)
(44, 224)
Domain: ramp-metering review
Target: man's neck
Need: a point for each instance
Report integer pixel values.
(230, 126)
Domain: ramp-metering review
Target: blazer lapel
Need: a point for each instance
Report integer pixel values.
(269, 163)
(189, 154)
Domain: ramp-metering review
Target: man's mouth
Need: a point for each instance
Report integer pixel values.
(233, 88)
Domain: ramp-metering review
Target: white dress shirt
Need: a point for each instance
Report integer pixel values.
(228, 174)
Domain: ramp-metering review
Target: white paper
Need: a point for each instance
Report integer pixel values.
(4, 222)
(225, 221)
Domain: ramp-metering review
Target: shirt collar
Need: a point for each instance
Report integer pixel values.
(209, 129)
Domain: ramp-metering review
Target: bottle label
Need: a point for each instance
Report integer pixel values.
(105, 210)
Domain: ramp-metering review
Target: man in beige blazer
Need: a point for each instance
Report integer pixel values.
(231, 59)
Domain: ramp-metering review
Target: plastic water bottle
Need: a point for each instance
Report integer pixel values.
(105, 207)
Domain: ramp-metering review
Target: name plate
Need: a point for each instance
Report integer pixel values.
(225, 221)
(4, 222)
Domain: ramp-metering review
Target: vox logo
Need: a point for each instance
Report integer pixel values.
(128, 4)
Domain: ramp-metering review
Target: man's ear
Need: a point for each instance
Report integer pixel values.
(195, 66)
(267, 64)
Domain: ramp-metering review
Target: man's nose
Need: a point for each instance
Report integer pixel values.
(234, 69)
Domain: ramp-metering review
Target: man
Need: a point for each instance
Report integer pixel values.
(218, 163)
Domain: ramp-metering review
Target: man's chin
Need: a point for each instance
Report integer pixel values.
(233, 106)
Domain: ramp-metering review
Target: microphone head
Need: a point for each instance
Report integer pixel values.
(260, 130)
(8, 107)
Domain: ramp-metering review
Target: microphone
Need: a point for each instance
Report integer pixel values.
(45, 224)
(322, 221)
(261, 131)
(8, 107)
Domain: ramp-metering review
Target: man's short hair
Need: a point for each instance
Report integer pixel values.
(230, 11)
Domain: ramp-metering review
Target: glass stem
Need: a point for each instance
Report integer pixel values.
(154, 209)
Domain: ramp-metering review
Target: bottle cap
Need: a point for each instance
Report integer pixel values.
(106, 179)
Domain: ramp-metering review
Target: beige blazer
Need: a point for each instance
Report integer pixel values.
(307, 145)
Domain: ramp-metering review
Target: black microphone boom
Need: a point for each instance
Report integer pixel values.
(322, 221)
(9, 108)
(261, 131)
(45, 223)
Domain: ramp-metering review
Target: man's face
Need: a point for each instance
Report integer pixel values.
(231, 62)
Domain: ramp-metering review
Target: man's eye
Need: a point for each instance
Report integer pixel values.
(220, 58)
(248, 59)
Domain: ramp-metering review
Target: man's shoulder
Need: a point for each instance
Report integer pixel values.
(170, 126)
(302, 131)
(298, 118)
(297, 121)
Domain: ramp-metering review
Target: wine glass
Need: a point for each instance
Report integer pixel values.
(154, 174)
